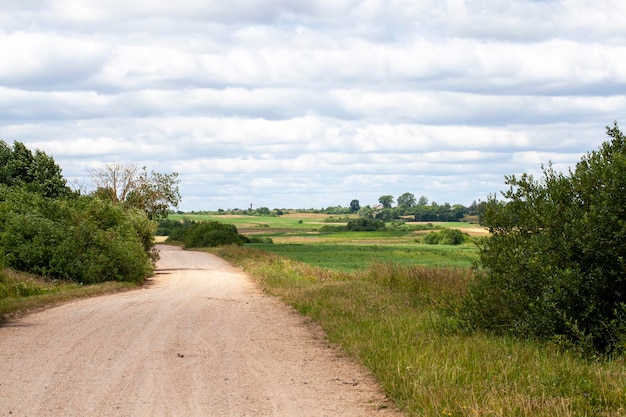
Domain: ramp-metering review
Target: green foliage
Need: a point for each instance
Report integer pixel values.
(167, 226)
(208, 234)
(35, 172)
(260, 239)
(386, 201)
(407, 200)
(554, 266)
(363, 224)
(354, 206)
(153, 193)
(81, 238)
(447, 237)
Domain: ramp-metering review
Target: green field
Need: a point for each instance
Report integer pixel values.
(351, 257)
(298, 236)
(306, 228)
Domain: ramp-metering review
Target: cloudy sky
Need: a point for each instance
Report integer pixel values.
(309, 104)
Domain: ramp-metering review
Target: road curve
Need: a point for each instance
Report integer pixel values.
(200, 340)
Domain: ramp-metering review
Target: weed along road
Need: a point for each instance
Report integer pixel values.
(200, 340)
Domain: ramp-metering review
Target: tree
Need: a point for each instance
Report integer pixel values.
(36, 172)
(423, 201)
(154, 193)
(554, 263)
(114, 180)
(407, 200)
(354, 206)
(386, 201)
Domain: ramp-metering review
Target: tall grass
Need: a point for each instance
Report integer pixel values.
(394, 320)
(355, 257)
(21, 292)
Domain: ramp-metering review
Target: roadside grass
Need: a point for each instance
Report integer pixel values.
(393, 319)
(21, 292)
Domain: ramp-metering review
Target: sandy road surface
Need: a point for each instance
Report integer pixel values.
(201, 340)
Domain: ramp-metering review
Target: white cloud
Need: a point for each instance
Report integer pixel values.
(308, 104)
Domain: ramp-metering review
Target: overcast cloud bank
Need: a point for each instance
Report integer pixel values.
(291, 104)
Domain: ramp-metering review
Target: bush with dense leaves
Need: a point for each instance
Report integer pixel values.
(79, 238)
(365, 225)
(554, 266)
(207, 234)
(446, 237)
(167, 226)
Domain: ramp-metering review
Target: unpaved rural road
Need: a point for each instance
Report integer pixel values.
(200, 340)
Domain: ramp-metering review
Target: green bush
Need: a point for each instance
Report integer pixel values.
(365, 224)
(554, 266)
(258, 239)
(210, 234)
(77, 238)
(166, 226)
(446, 237)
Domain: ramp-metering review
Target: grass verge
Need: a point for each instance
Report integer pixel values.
(21, 293)
(393, 319)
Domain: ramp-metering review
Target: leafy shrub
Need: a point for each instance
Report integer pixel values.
(446, 237)
(554, 265)
(210, 234)
(365, 224)
(166, 226)
(258, 239)
(77, 238)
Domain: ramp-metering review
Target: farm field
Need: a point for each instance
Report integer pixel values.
(305, 227)
(298, 236)
(352, 257)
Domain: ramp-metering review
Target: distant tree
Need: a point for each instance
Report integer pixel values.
(446, 237)
(154, 193)
(423, 201)
(407, 200)
(386, 201)
(36, 172)
(473, 208)
(458, 211)
(354, 206)
(264, 211)
(365, 225)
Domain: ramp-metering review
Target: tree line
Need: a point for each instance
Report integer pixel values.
(408, 208)
(47, 228)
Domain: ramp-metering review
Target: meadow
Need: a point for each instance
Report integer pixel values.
(389, 302)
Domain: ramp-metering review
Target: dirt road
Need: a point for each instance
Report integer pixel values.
(200, 340)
